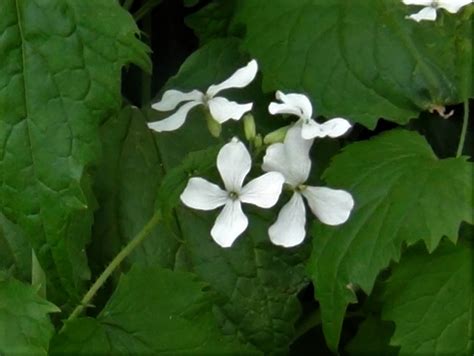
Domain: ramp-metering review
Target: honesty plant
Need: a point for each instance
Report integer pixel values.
(342, 230)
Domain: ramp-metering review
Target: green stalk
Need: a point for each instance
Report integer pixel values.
(137, 240)
(465, 121)
(38, 277)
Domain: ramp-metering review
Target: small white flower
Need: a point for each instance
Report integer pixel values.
(431, 6)
(331, 206)
(219, 107)
(233, 163)
(299, 105)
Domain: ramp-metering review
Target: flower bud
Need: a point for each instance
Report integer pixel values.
(214, 127)
(276, 136)
(249, 127)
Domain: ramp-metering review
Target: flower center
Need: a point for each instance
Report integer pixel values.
(233, 195)
(300, 188)
(434, 4)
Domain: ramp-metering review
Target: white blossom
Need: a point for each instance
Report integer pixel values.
(431, 6)
(299, 105)
(233, 164)
(331, 206)
(220, 108)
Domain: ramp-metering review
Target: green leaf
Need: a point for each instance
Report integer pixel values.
(126, 182)
(25, 325)
(403, 193)
(15, 250)
(212, 21)
(430, 299)
(153, 311)
(372, 338)
(59, 78)
(360, 59)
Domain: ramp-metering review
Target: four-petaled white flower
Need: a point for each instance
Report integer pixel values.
(331, 206)
(299, 105)
(431, 6)
(233, 163)
(219, 107)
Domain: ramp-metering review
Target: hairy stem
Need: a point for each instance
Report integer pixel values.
(465, 121)
(137, 240)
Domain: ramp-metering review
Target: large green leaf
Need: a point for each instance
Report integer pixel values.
(430, 298)
(59, 78)
(25, 328)
(153, 311)
(15, 250)
(403, 193)
(257, 282)
(361, 59)
(126, 182)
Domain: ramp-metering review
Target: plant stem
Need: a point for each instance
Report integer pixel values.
(38, 277)
(137, 240)
(465, 121)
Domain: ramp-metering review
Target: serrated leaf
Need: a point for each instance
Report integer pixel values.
(403, 193)
(430, 298)
(126, 182)
(153, 311)
(59, 78)
(25, 328)
(359, 59)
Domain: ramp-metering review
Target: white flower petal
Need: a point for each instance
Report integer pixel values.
(290, 158)
(174, 121)
(427, 13)
(331, 206)
(299, 101)
(222, 109)
(241, 78)
(203, 195)
(230, 223)
(171, 99)
(418, 2)
(263, 191)
(453, 6)
(311, 129)
(335, 127)
(277, 108)
(289, 228)
(233, 163)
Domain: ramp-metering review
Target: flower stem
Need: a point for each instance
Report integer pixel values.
(137, 240)
(465, 121)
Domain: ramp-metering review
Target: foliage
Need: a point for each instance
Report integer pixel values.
(124, 267)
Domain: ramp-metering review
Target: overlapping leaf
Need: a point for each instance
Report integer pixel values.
(403, 193)
(361, 59)
(430, 298)
(153, 311)
(126, 182)
(60, 69)
(25, 328)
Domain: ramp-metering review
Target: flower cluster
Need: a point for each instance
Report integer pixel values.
(287, 163)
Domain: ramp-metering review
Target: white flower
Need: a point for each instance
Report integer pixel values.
(299, 105)
(331, 206)
(219, 107)
(233, 163)
(431, 6)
